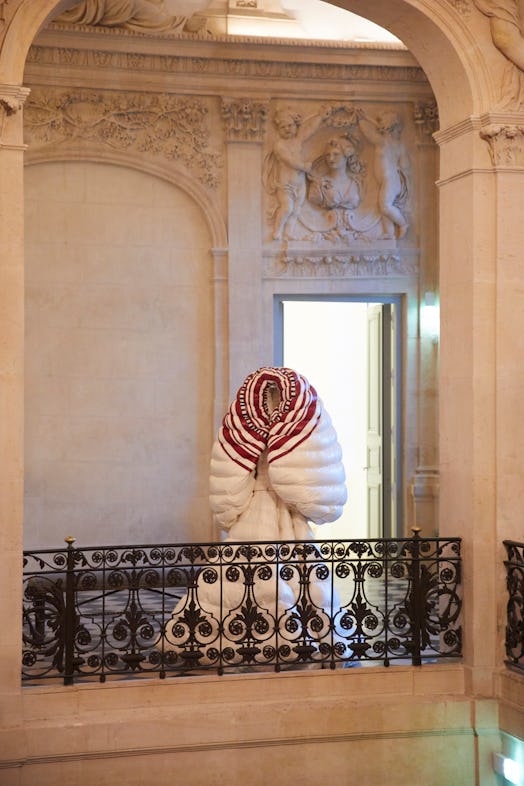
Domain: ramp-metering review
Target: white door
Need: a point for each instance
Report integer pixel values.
(347, 350)
(374, 444)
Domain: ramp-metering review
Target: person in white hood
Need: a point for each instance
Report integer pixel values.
(276, 466)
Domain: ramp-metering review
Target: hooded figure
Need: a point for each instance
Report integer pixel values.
(275, 466)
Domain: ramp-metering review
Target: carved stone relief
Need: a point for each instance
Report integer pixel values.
(12, 99)
(160, 125)
(139, 15)
(506, 144)
(339, 176)
(506, 32)
(462, 7)
(339, 265)
(425, 118)
(244, 119)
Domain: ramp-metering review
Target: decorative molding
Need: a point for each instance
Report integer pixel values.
(336, 264)
(463, 127)
(426, 483)
(506, 144)
(162, 125)
(462, 7)
(201, 33)
(244, 119)
(251, 68)
(426, 119)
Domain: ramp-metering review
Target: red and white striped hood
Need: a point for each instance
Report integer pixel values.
(298, 439)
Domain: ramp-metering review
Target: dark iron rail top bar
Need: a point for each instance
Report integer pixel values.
(171, 609)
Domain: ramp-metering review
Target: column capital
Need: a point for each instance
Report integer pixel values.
(244, 119)
(426, 120)
(505, 137)
(12, 98)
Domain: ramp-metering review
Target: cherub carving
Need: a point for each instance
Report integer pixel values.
(286, 166)
(391, 167)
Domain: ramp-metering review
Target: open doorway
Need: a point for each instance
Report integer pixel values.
(348, 348)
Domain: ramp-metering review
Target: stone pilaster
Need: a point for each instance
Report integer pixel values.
(244, 122)
(425, 482)
(11, 380)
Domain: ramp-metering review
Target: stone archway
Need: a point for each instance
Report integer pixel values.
(456, 56)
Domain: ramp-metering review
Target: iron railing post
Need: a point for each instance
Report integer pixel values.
(69, 614)
(416, 599)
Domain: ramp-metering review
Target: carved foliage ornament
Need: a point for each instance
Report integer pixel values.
(159, 125)
(338, 265)
(506, 144)
(425, 117)
(244, 119)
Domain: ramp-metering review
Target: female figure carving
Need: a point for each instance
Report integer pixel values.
(132, 14)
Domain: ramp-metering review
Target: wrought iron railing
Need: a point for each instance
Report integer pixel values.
(95, 613)
(515, 606)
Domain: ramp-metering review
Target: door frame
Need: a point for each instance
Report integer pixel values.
(392, 325)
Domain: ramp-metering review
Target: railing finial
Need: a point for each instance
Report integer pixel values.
(69, 540)
(416, 531)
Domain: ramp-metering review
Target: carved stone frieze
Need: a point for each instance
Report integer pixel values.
(425, 118)
(244, 119)
(254, 69)
(315, 264)
(506, 144)
(159, 125)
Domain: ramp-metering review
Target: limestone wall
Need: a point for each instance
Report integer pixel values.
(160, 225)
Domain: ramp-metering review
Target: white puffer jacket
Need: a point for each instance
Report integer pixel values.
(276, 465)
(277, 414)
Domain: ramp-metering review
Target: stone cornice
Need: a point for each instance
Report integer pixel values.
(122, 32)
(466, 126)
